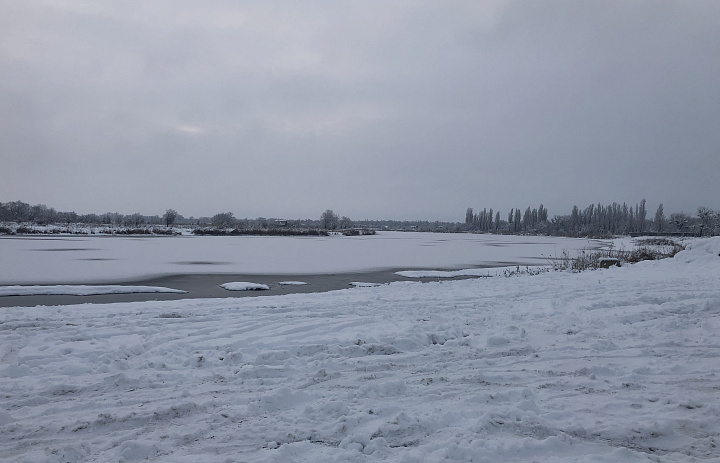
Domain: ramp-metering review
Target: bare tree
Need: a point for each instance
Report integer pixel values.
(329, 220)
(642, 213)
(659, 219)
(223, 220)
(706, 217)
(680, 221)
(19, 211)
(169, 217)
(133, 220)
(345, 223)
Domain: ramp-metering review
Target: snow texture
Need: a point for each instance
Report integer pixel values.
(616, 365)
(363, 284)
(292, 283)
(244, 286)
(81, 290)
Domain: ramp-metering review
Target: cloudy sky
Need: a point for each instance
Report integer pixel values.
(404, 109)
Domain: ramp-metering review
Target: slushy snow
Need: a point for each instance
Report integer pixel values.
(615, 365)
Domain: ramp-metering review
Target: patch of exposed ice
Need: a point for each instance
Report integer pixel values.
(81, 290)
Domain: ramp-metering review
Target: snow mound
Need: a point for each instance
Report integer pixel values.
(291, 283)
(244, 286)
(701, 251)
(81, 290)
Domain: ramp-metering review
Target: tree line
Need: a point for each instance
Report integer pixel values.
(595, 220)
(20, 212)
(23, 213)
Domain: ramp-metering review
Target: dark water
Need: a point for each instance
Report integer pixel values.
(208, 286)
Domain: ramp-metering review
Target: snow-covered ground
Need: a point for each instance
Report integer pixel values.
(105, 259)
(616, 365)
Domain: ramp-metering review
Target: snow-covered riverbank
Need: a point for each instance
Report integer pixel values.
(616, 365)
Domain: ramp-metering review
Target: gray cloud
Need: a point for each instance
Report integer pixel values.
(375, 109)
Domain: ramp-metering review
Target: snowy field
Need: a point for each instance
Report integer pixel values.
(616, 365)
(104, 259)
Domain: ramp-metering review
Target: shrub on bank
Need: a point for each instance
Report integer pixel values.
(649, 249)
(358, 232)
(72, 230)
(258, 232)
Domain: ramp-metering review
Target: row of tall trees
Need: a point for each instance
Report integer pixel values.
(621, 219)
(595, 220)
(613, 219)
(532, 220)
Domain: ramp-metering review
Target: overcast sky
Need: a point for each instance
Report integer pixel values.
(375, 109)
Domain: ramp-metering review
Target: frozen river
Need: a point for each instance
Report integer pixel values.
(104, 259)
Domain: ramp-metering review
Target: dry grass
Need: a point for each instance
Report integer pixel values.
(647, 249)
